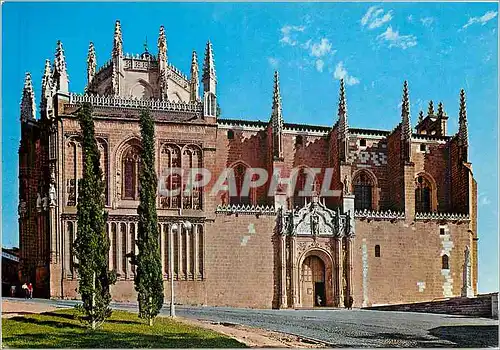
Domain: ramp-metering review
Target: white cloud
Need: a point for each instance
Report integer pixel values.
(488, 16)
(273, 61)
(427, 21)
(341, 73)
(375, 17)
(367, 15)
(319, 65)
(322, 48)
(410, 18)
(288, 33)
(396, 40)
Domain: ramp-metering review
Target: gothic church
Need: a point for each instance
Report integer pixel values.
(404, 228)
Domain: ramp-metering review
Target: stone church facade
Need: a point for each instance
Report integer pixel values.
(403, 227)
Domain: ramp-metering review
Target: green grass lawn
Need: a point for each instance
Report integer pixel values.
(62, 329)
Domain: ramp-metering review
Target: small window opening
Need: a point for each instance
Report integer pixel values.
(441, 231)
(423, 148)
(230, 134)
(445, 262)
(299, 140)
(377, 251)
(362, 143)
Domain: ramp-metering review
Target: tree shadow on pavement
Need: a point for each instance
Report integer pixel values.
(473, 336)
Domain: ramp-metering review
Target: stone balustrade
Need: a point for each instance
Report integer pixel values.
(245, 209)
(379, 215)
(115, 101)
(442, 216)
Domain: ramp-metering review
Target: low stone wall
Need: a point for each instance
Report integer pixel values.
(483, 305)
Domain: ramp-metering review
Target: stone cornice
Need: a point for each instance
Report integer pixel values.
(253, 125)
(431, 137)
(368, 132)
(135, 218)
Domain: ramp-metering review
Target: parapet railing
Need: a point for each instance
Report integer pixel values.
(379, 215)
(120, 102)
(442, 216)
(245, 209)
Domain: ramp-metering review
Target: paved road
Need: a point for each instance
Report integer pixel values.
(349, 328)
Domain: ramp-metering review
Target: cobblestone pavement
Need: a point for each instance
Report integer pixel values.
(349, 328)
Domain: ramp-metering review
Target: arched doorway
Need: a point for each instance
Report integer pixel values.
(313, 288)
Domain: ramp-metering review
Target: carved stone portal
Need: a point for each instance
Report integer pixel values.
(316, 256)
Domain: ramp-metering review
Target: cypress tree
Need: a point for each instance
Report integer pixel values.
(91, 246)
(148, 277)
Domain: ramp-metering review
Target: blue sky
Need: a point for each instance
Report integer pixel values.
(438, 47)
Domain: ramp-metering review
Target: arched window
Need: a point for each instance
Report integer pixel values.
(71, 244)
(301, 184)
(445, 262)
(377, 251)
(131, 167)
(239, 177)
(191, 159)
(363, 191)
(423, 193)
(170, 162)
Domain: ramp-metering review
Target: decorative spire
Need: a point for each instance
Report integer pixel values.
(440, 111)
(462, 121)
(277, 114)
(47, 92)
(195, 83)
(115, 87)
(162, 45)
(405, 114)
(420, 116)
(277, 118)
(91, 64)
(430, 110)
(343, 124)
(47, 81)
(162, 63)
(28, 106)
(209, 77)
(59, 74)
(60, 60)
(117, 40)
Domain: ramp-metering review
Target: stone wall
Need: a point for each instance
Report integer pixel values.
(485, 305)
(410, 258)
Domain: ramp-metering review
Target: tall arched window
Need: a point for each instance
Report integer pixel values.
(131, 169)
(363, 191)
(423, 193)
(103, 163)
(445, 262)
(191, 159)
(239, 177)
(301, 184)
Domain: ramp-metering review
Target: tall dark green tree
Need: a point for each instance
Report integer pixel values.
(148, 277)
(91, 246)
